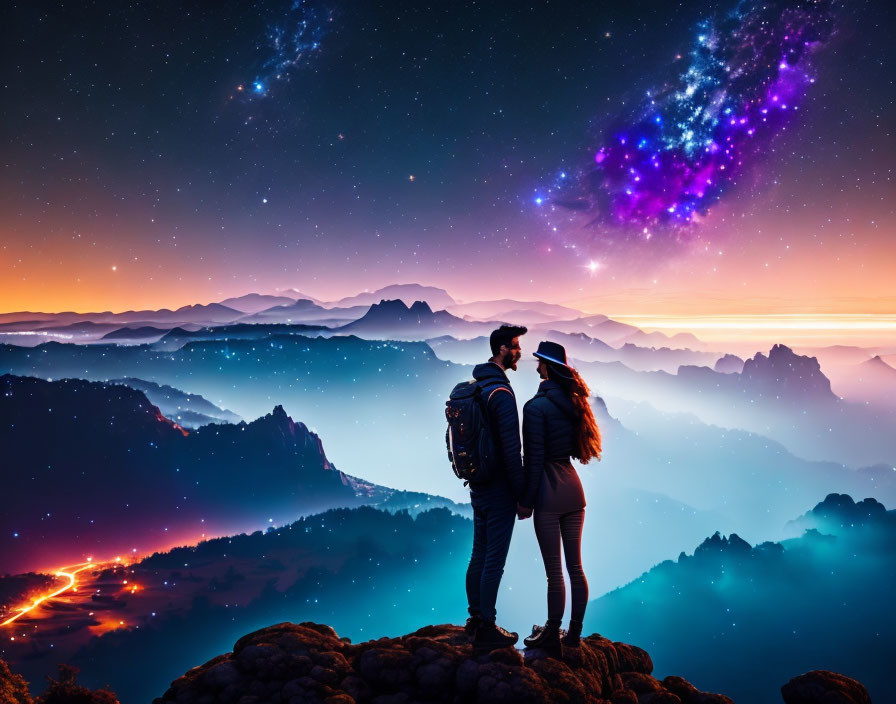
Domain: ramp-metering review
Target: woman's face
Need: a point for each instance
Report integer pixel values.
(542, 369)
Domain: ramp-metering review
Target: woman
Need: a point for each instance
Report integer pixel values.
(558, 423)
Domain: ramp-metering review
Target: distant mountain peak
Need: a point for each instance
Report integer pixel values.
(420, 308)
(783, 369)
(718, 543)
(877, 362)
(405, 292)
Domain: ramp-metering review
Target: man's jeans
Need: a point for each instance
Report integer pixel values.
(494, 513)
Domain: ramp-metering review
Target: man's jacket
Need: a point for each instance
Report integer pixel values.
(505, 424)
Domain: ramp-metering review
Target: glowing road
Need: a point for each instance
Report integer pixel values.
(71, 573)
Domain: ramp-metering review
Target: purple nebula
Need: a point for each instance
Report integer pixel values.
(747, 75)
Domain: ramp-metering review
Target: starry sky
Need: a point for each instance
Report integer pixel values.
(162, 154)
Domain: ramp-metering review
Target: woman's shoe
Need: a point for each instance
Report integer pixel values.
(573, 637)
(472, 625)
(546, 637)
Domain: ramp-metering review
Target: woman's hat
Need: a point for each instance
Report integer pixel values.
(553, 353)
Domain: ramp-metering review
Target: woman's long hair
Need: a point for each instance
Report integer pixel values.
(587, 444)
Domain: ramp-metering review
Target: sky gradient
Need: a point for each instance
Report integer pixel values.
(157, 157)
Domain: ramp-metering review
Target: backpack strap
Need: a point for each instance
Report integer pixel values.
(496, 390)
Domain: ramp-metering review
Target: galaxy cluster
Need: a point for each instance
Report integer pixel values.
(690, 141)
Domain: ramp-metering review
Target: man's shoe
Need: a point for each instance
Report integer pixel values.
(573, 637)
(490, 636)
(546, 637)
(472, 625)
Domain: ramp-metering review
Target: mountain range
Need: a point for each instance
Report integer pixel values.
(93, 458)
(813, 602)
(782, 395)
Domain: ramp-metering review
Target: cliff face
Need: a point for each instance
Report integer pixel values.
(308, 662)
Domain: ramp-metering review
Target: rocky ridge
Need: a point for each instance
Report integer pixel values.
(309, 662)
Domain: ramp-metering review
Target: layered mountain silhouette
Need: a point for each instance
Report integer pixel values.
(509, 309)
(616, 334)
(185, 409)
(178, 337)
(210, 313)
(579, 347)
(256, 302)
(782, 395)
(306, 311)
(99, 470)
(144, 333)
(818, 601)
(379, 404)
(438, 298)
(397, 321)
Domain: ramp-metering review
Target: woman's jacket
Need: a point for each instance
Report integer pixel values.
(550, 422)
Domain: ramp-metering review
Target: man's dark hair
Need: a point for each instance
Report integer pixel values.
(504, 336)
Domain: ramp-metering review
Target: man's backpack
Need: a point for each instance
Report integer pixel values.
(471, 446)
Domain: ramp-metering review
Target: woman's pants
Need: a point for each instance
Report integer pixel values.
(550, 529)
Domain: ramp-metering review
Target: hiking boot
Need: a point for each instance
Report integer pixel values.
(490, 636)
(573, 637)
(472, 625)
(546, 637)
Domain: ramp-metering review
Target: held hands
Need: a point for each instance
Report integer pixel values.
(523, 512)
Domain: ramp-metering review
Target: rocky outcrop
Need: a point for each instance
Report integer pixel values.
(821, 686)
(787, 374)
(309, 662)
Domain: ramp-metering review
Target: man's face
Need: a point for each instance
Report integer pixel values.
(512, 354)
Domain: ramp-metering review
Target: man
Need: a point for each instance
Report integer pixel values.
(495, 502)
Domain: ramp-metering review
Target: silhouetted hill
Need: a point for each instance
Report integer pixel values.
(814, 601)
(93, 457)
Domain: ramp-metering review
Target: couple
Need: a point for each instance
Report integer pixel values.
(558, 423)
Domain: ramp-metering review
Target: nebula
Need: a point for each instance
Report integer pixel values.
(291, 42)
(689, 142)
